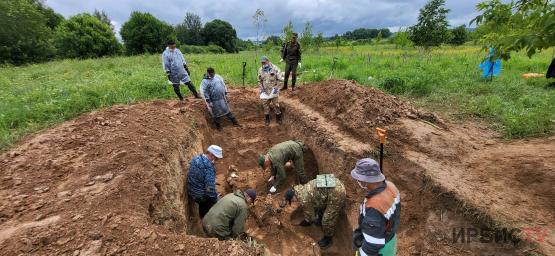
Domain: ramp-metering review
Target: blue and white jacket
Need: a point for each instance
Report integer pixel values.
(201, 180)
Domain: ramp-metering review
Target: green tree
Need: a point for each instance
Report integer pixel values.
(527, 25)
(189, 30)
(220, 33)
(459, 35)
(85, 36)
(401, 38)
(287, 32)
(307, 37)
(53, 19)
(26, 31)
(143, 33)
(379, 37)
(319, 41)
(276, 40)
(432, 27)
(102, 16)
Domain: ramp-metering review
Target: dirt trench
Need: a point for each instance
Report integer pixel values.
(112, 182)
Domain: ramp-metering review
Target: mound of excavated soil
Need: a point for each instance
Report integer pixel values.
(357, 109)
(112, 182)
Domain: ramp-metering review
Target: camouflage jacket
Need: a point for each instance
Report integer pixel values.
(314, 200)
(268, 78)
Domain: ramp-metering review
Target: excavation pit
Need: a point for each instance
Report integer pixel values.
(145, 148)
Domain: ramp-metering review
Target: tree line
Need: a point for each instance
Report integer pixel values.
(32, 32)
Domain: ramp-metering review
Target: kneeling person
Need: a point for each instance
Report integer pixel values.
(226, 219)
(321, 200)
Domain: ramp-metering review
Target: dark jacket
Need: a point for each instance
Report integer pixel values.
(201, 180)
(291, 53)
(379, 219)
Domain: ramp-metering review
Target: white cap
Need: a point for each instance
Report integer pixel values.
(216, 151)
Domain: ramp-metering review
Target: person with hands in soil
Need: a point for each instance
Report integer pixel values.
(321, 200)
(380, 211)
(278, 156)
(214, 92)
(226, 219)
(176, 69)
(268, 77)
(201, 179)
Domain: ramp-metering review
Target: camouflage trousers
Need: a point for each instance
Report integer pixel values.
(271, 103)
(330, 215)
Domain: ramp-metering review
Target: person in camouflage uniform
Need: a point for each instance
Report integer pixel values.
(278, 156)
(268, 78)
(320, 205)
(291, 54)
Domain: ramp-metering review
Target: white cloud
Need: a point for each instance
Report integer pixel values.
(327, 16)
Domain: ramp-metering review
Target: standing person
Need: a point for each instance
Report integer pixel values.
(268, 77)
(321, 204)
(380, 212)
(291, 54)
(278, 156)
(214, 92)
(201, 179)
(176, 69)
(227, 218)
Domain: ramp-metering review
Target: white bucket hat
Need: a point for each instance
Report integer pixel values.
(216, 151)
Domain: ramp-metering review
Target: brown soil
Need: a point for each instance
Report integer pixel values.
(111, 182)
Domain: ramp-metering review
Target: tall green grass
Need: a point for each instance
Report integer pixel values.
(37, 96)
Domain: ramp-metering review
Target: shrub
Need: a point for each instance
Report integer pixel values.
(85, 36)
(26, 32)
(143, 33)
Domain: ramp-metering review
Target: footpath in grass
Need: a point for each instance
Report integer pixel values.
(446, 80)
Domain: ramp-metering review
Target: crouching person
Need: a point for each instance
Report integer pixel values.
(321, 200)
(226, 219)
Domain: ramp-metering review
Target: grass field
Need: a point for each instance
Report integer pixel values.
(446, 80)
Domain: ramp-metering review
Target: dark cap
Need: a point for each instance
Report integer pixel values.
(170, 42)
(210, 70)
(252, 194)
(289, 194)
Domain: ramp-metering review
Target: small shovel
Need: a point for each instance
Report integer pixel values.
(382, 134)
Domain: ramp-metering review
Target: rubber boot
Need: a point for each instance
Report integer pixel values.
(234, 120)
(279, 118)
(325, 242)
(217, 124)
(284, 88)
(193, 90)
(266, 120)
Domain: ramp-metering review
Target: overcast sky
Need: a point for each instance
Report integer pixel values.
(327, 16)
